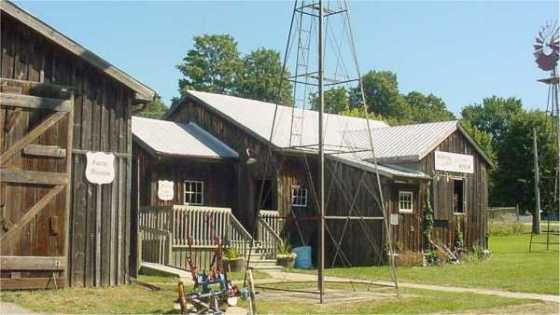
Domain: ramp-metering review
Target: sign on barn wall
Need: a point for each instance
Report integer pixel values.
(165, 190)
(454, 162)
(100, 167)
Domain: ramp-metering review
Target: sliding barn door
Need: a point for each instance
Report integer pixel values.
(35, 164)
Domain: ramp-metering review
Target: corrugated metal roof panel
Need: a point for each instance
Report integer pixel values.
(172, 138)
(258, 116)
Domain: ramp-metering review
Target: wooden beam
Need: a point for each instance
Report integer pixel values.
(31, 283)
(341, 217)
(45, 150)
(32, 263)
(31, 136)
(12, 119)
(35, 102)
(32, 177)
(31, 213)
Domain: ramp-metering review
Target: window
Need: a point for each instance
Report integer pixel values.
(194, 192)
(458, 196)
(406, 201)
(299, 196)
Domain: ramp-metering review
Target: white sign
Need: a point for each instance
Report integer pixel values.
(165, 190)
(454, 162)
(394, 219)
(100, 167)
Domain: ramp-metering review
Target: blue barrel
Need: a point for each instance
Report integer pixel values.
(303, 257)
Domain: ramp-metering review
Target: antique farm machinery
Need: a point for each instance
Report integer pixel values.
(212, 291)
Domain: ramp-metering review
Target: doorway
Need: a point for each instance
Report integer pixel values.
(267, 196)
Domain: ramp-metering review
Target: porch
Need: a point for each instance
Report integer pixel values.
(170, 234)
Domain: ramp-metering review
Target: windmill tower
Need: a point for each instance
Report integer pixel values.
(321, 57)
(547, 53)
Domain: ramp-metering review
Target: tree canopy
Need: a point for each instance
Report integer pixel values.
(215, 65)
(154, 109)
(262, 78)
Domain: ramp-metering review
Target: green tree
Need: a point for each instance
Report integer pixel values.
(493, 116)
(427, 108)
(382, 95)
(263, 79)
(514, 177)
(212, 65)
(482, 139)
(337, 100)
(154, 109)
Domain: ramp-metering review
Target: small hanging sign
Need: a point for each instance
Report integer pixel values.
(100, 167)
(165, 190)
(394, 219)
(454, 162)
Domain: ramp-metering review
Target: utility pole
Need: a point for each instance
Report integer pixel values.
(537, 214)
(321, 266)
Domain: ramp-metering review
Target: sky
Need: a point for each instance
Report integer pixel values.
(459, 51)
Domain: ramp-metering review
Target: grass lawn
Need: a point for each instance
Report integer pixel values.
(136, 299)
(511, 267)
(412, 301)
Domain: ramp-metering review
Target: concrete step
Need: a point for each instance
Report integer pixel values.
(265, 264)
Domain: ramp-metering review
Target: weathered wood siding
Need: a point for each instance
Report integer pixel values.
(101, 123)
(474, 220)
(218, 177)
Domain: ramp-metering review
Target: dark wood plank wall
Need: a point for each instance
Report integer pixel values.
(240, 140)
(101, 123)
(218, 177)
(288, 170)
(473, 221)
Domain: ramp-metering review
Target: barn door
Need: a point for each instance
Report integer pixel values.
(35, 161)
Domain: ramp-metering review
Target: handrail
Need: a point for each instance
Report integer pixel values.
(240, 227)
(271, 230)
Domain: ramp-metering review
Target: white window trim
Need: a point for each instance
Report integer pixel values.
(294, 187)
(201, 192)
(407, 192)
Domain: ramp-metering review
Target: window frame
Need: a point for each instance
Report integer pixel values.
(305, 197)
(463, 206)
(193, 181)
(406, 210)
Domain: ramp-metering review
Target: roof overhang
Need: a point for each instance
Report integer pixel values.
(142, 92)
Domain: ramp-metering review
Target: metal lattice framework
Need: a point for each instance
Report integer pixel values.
(320, 40)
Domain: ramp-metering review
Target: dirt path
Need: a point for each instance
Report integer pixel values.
(11, 308)
(288, 276)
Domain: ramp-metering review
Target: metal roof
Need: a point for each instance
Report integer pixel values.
(257, 117)
(144, 92)
(170, 138)
(392, 144)
(404, 143)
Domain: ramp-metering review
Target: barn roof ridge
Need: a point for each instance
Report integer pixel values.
(403, 143)
(143, 92)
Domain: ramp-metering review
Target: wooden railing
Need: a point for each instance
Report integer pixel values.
(166, 233)
(269, 229)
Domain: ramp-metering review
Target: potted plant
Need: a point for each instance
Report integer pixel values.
(233, 261)
(284, 256)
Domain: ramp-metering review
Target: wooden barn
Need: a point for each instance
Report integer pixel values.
(59, 103)
(277, 173)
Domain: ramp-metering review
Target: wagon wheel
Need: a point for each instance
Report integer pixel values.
(181, 298)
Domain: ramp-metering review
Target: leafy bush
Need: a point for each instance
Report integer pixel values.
(284, 249)
(232, 253)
